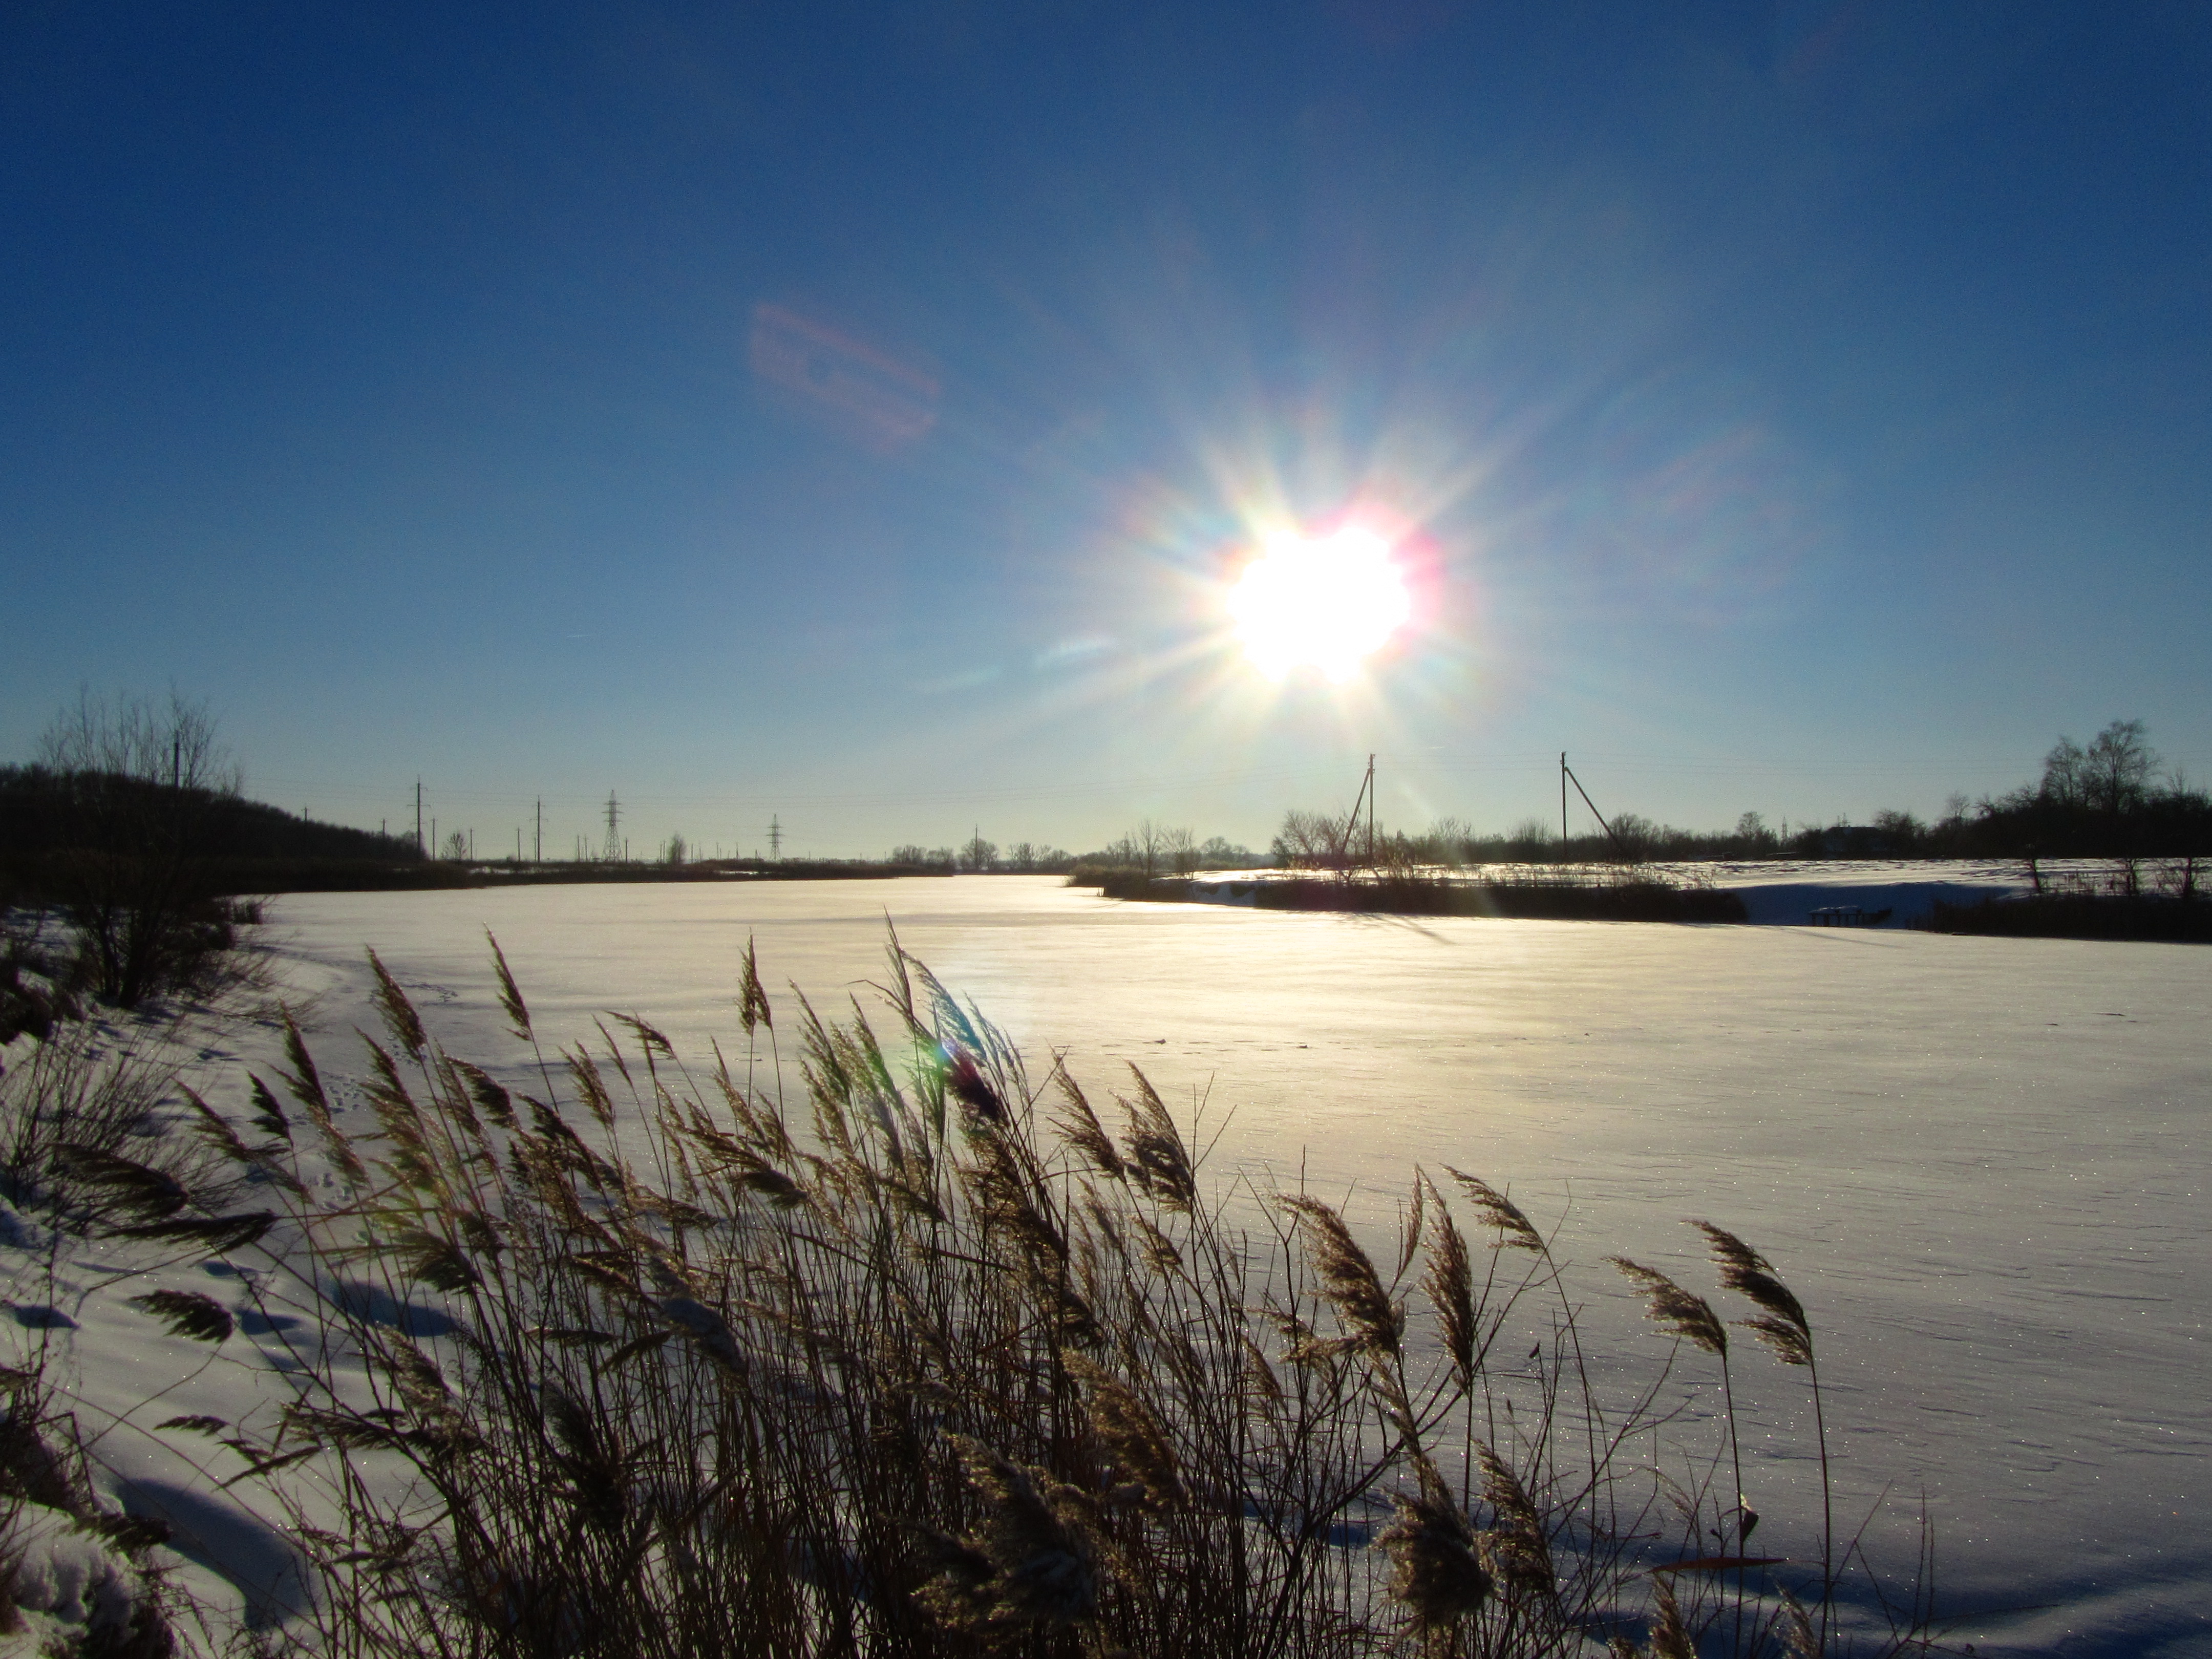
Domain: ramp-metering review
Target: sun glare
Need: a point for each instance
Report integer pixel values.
(1326, 603)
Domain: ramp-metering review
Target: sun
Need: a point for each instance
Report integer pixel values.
(1326, 602)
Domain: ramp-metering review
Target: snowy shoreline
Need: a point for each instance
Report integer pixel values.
(1979, 1160)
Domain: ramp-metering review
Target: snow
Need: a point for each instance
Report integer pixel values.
(1979, 1162)
(68, 1585)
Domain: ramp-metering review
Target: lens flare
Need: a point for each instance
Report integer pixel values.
(1327, 603)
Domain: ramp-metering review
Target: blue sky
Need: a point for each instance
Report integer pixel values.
(852, 414)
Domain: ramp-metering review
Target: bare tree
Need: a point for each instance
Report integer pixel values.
(1448, 841)
(1179, 846)
(1149, 839)
(2117, 766)
(1312, 841)
(142, 738)
(1529, 841)
(978, 855)
(145, 789)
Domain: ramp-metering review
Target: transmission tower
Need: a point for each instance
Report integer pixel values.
(775, 837)
(613, 851)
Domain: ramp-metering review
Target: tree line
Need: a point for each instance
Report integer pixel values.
(1154, 848)
(2113, 797)
(129, 826)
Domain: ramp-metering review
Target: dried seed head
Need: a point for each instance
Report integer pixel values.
(597, 1473)
(1435, 1574)
(965, 1082)
(1784, 1328)
(1131, 1432)
(1032, 1564)
(591, 1086)
(1371, 1319)
(1450, 1282)
(269, 1117)
(1158, 1249)
(1667, 1304)
(399, 1016)
(304, 1085)
(1155, 1157)
(1798, 1641)
(1080, 1128)
(752, 1001)
(132, 1191)
(1791, 1346)
(1669, 1638)
(1515, 1231)
(510, 995)
(1518, 1549)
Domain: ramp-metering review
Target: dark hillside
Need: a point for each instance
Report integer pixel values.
(44, 812)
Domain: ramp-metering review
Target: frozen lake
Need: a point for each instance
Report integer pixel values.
(1981, 1162)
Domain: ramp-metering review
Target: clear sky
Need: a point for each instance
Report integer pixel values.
(855, 414)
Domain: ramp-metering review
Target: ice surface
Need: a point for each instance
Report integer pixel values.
(1980, 1162)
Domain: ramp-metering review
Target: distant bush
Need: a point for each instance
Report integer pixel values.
(2149, 917)
(1562, 896)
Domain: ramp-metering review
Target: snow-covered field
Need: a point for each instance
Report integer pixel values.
(1979, 1162)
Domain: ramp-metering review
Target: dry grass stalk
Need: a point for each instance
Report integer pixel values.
(1154, 1154)
(1436, 1574)
(1033, 1563)
(1372, 1321)
(1518, 1546)
(1449, 1285)
(1690, 1317)
(1515, 1229)
(399, 1014)
(712, 1410)
(510, 994)
(1783, 1327)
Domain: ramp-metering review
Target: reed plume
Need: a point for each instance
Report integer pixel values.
(1783, 1327)
(1436, 1574)
(1034, 1561)
(1355, 1291)
(1515, 1229)
(1690, 1317)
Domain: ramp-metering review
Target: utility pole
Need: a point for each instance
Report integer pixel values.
(1567, 776)
(418, 811)
(1371, 811)
(774, 836)
(1563, 806)
(1366, 796)
(537, 847)
(613, 851)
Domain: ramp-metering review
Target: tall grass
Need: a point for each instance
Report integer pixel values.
(869, 1340)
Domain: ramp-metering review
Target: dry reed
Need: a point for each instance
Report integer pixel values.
(955, 1371)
